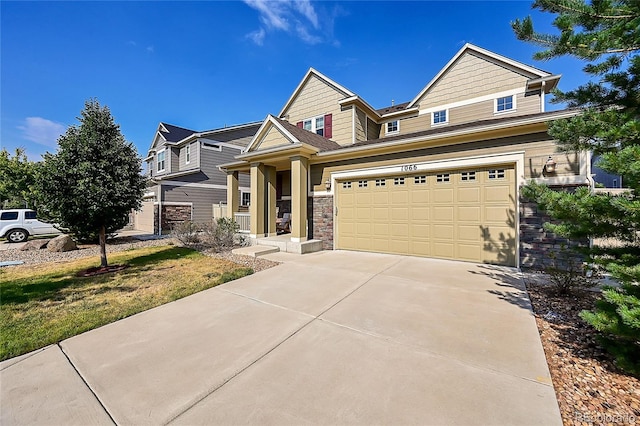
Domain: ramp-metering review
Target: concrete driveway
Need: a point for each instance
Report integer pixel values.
(325, 338)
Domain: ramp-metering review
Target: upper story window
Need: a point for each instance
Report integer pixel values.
(160, 160)
(187, 154)
(321, 125)
(506, 103)
(393, 126)
(439, 117)
(315, 125)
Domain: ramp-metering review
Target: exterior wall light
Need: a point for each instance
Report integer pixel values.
(327, 184)
(550, 165)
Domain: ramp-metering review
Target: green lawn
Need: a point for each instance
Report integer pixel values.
(44, 304)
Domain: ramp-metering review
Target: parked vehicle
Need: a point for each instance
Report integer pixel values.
(17, 225)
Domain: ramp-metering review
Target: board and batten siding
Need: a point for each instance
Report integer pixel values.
(470, 77)
(537, 148)
(317, 98)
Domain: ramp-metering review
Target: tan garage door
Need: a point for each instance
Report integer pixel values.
(144, 217)
(452, 214)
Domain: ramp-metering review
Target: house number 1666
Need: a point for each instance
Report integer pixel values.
(409, 168)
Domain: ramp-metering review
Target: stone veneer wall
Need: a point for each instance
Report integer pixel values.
(172, 215)
(320, 219)
(536, 243)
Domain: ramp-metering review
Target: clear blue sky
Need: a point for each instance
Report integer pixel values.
(207, 64)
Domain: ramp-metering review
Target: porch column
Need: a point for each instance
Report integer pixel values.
(270, 225)
(233, 194)
(299, 193)
(256, 205)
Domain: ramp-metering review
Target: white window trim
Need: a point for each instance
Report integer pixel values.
(471, 101)
(506, 111)
(242, 193)
(164, 165)
(313, 123)
(187, 154)
(386, 129)
(442, 123)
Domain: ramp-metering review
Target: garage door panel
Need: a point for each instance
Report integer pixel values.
(443, 195)
(468, 194)
(442, 231)
(442, 213)
(470, 216)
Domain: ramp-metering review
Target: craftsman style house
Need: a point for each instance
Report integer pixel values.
(437, 176)
(185, 181)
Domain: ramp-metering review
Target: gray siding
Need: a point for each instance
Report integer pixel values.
(202, 199)
(174, 158)
(211, 159)
(193, 161)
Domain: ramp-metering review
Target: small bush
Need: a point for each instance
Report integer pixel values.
(568, 273)
(219, 235)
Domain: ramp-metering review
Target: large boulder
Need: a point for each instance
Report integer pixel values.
(62, 243)
(35, 244)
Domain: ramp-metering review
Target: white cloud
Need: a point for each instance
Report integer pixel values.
(296, 17)
(42, 131)
(150, 49)
(257, 36)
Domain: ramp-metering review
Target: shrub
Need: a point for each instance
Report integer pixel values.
(568, 273)
(219, 235)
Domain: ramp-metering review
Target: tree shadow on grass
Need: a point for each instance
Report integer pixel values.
(50, 286)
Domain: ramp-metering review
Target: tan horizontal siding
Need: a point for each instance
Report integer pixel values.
(528, 104)
(361, 124)
(537, 148)
(373, 129)
(317, 98)
(470, 77)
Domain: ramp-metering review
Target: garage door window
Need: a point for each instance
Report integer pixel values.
(442, 178)
(362, 184)
(467, 176)
(418, 180)
(496, 174)
(381, 182)
(346, 185)
(398, 181)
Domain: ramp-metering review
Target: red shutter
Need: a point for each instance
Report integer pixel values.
(299, 124)
(328, 126)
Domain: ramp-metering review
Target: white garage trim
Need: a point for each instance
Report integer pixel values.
(514, 158)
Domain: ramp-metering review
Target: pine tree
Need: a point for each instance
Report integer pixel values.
(606, 34)
(94, 179)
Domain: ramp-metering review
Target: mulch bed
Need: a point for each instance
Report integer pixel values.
(99, 270)
(589, 387)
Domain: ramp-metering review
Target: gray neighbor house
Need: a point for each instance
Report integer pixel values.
(185, 182)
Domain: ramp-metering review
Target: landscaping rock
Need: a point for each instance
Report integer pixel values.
(35, 245)
(62, 243)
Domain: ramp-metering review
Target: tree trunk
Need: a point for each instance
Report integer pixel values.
(103, 247)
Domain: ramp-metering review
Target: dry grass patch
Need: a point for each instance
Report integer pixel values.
(44, 304)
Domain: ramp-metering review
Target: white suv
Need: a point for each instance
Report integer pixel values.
(16, 225)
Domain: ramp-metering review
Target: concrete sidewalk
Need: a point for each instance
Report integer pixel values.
(325, 338)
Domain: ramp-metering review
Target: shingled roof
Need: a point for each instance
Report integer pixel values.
(175, 133)
(392, 108)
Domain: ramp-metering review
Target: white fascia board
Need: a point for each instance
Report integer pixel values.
(516, 157)
(492, 55)
(355, 99)
(176, 174)
(386, 117)
(465, 131)
(321, 76)
(270, 120)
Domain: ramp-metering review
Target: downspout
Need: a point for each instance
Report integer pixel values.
(542, 87)
(160, 209)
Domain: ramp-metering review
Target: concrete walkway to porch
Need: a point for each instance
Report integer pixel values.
(326, 338)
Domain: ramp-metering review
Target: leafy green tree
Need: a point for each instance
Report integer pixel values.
(17, 179)
(93, 181)
(605, 34)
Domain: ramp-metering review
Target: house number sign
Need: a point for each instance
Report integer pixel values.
(409, 168)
